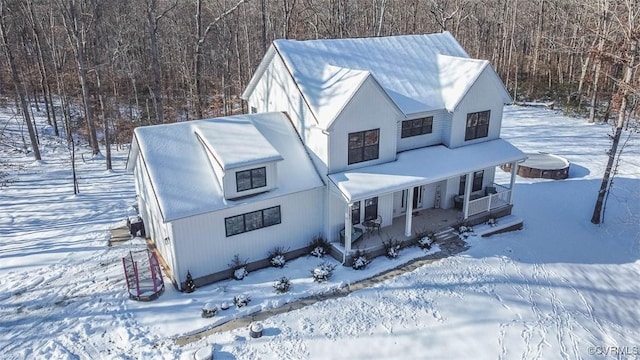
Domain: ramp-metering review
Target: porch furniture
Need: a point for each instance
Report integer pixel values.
(356, 234)
(490, 190)
(458, 200)
(372, 225)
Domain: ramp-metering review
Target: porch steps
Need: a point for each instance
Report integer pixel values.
(450, 242)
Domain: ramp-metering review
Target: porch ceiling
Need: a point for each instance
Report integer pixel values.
(422, 166)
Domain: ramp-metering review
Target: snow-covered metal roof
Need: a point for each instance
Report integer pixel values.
(418, 72)
(423, 166)
(236, 143)
(183, 179)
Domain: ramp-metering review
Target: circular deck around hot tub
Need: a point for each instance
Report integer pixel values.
(542, 165)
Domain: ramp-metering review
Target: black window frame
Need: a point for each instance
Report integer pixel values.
(371, 209)
(477, 125)
(361, 147)
(478, 180)
(253, 178)
(355, 213)
(416, 127)
(260, 221)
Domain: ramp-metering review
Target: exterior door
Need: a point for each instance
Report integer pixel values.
(417, 197)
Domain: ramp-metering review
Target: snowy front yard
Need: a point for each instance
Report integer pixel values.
(560, 288)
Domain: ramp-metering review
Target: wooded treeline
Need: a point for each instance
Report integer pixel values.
(128, 62)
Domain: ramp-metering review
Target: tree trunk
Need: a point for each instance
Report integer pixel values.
(18, 84)
(197, 66)
(602, 32)
(625, 89)
(152, 26)
(76, 35)
(105, 120)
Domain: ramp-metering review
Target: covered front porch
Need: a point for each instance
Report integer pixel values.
(424, 191)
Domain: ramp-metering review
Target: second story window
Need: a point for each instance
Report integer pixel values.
(417, 127)
(251, 179)
(477, 125)
(363, 145)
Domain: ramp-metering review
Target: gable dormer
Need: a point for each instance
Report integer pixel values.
(244, 161)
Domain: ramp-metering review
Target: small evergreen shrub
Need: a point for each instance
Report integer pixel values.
(209, 310)
(276, 257)
(190, 286)
(241, 300)
(283, 285)
(360, 260)
(239, 267)
(323, 271)
(392, 248)
(319, 246)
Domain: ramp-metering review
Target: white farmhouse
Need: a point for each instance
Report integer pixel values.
(387, 136)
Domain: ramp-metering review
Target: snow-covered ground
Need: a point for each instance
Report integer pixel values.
(560, 288)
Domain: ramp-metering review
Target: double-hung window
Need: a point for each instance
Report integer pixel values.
(355, 213)
(371, 209)
(251, 179)
(478, 178)
(477, 125)
(363, 145)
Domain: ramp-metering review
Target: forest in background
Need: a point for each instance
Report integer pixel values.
(103, 67)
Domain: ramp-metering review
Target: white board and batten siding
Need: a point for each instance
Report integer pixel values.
(205, 249)
(369, 108)
(483, 95)
(151, 216)
(276, 91)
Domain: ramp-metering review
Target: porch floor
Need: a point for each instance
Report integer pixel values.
(425, 220)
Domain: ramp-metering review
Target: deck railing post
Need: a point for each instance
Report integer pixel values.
(135, 272)
(153, 271)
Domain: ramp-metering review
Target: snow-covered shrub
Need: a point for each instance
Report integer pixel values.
(426, 241)
(283, 285)
(492, 222)
(276, 257)
(319, 246)
(318, 252)
(241, 300)
(392, 247)
(464, 231)
(239, 267)
(323, 271)
(241, 273)
(360, 260)
(209, 310)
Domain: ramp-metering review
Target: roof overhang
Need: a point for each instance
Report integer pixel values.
(422, 166)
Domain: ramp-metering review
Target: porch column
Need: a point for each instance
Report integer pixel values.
(514, 171)
(468, 185)
(347, 230)
(409, 214)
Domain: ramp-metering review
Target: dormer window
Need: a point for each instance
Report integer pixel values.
(251, 179)
(417, 127)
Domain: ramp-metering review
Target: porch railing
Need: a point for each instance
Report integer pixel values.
(490, 202)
